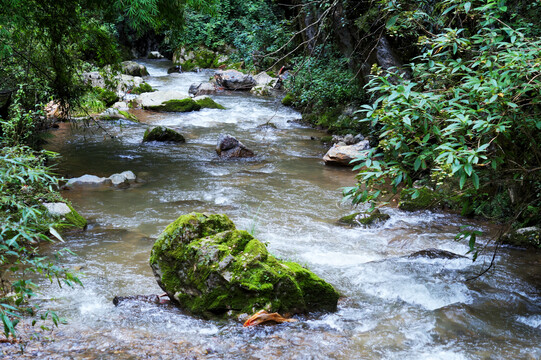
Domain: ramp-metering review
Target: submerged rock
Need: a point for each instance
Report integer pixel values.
(89, 181)
(162, 133)
(209, 267)
(234, 80)
(341, 154)
(436, 254)
(229, 147)
(365, 219)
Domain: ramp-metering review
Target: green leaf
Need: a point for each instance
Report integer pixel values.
(467, 7)
(475, 180)
(391, 21)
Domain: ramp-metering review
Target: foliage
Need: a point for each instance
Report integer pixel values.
(254, 28)
(25, 182)
(468, 120)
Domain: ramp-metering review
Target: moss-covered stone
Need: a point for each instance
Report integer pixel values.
(161, 133)
(71, 220)
(426, 200)
(208, 103)
(529, 237)
(108, 97)
(184, 105)
(210, 268)
(143, 88)
(288, 100)
(128, 116)
(364, 219)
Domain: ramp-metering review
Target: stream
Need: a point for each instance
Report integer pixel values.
(393, 306)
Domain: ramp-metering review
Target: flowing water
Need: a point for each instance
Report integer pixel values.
(393, 306)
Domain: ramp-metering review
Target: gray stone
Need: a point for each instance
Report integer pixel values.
(234, 80)
(89, 181)
(206, 88)
(125, 178)
(57, 209)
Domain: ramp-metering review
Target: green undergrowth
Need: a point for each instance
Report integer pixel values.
(25, 184)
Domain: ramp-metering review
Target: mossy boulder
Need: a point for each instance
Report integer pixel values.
(210, 268)
(183, 105)
(365, 219)
(162, 133)
(208, 103)
(529, 237)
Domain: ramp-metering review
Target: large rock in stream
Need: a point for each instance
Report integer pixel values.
(234, 80)
(210, 268)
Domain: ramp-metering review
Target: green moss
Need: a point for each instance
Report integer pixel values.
(161, 133)
(128, 116)
(209, 267)
(188, 65)
(208, 103)
(108, 97)
(184, 105)
(326, 139)
(143, 88)
(427, 199)
(364, 219)
(204, 58)
(288, 100)
(71, 220)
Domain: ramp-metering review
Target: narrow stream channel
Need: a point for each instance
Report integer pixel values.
(393, 306)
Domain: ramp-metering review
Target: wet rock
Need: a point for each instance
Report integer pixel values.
(154, 55)
(348, 139)
(133, 69)
(229, 147)
(437, 254)
(175, 69)
(207, 88)
(162, 133)
(123, 179)
(151, 299)
(342, 154)
(89, 181)
(264, 84)
(120, 105)
(234, 80)
(116, 114)
(365, 219)
(209, 267)
(525, 237)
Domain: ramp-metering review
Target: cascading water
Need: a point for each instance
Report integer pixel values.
(393, 307)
